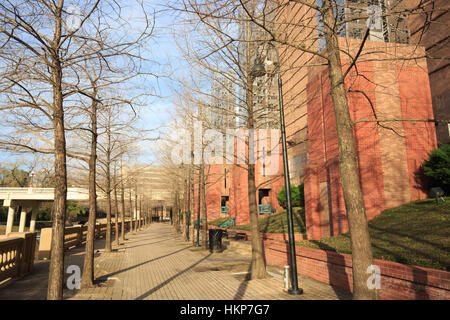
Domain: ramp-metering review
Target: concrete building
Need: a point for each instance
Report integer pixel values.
(265, 88)
(223, 103)
(431, 30)
(153, 189)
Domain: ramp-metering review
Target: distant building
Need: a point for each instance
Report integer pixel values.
(152, 184)
(265, 88)
(431, 30)
(223, 103)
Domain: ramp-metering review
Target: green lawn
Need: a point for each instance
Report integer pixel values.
(218, 222)
(275, 223)
(417, 233)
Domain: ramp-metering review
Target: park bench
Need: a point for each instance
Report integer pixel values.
(236, 235)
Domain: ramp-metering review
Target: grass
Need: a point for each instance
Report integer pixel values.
(218, 222)
(417, 233)
(276, 223)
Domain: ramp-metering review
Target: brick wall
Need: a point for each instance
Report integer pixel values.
(398, 281)
(389, 154)
(232, 181)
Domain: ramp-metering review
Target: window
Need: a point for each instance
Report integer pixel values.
(262, 193)
(224, 201)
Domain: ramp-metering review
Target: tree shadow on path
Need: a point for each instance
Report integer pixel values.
(150, 292)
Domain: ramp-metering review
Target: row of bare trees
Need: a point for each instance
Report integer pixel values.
(72, 83)
(227, 38)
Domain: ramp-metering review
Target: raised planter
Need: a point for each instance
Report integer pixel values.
(398, 281)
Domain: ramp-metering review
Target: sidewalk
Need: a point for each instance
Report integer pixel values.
(156, 264)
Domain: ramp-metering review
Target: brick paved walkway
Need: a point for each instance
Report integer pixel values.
(156, 264)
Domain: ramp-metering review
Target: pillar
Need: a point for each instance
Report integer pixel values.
(9, 223)
(23, 218)
(34, 211)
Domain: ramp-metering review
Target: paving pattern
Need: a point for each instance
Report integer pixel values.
(156, 264)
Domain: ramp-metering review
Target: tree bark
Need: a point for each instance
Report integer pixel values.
(122, 214)
(87, 279)
(131, 210)
(205, 211)
(258, 265)
(56, 270)
(116, 208)
(108, 244)
(348, 165)
(136, 206)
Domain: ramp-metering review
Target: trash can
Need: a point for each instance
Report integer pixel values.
(215, 240)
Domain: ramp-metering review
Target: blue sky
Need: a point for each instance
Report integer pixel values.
(156, 112)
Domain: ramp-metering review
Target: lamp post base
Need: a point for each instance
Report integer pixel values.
(296, 292)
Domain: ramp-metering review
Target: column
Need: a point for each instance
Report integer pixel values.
(23, 218)
(9, 223)
(34, 211)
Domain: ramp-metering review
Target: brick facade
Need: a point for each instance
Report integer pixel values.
(231, 180)
(398, 281)
(390, 153)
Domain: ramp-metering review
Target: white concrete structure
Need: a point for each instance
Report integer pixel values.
(32, 198)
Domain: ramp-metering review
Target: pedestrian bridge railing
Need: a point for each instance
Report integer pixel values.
(75, 236)
(17, 255)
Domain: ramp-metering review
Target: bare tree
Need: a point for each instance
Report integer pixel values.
(310, 30)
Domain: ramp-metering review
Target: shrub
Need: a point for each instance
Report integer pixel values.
(297, 196)
(437, 168)
(44, 214)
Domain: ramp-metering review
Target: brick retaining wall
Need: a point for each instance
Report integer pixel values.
(398, 281)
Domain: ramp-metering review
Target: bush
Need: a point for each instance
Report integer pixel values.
(437, 168)
(297, 196)
(3, 214)
(44, 214)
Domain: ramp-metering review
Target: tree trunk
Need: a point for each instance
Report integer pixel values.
(205, 211)
(192, 228)
(186, 194)
(56, 270)
(87, 279)
(131, 211)
(116, 208)
(353, 197)
(108, 244)
(258, 265)
(136, 207)
(122, 214)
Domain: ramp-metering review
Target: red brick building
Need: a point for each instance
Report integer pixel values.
(227, 186)
(390, 152)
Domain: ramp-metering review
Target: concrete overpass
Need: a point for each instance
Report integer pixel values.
(32, 198)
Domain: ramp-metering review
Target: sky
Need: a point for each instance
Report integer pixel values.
(159, 110)
(156, 112)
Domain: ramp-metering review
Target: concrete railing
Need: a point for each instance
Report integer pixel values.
(75, 236)
(17, 255)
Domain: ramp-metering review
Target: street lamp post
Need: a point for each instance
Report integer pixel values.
(258, 70)
(188, 213)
